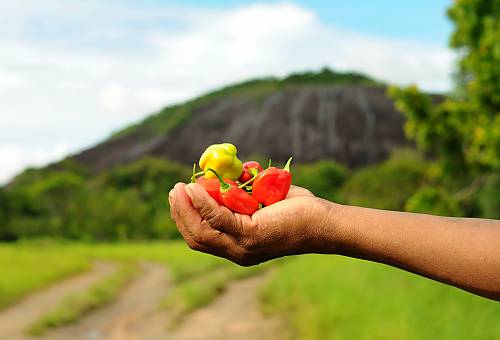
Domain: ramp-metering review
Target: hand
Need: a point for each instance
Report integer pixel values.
(291, 226)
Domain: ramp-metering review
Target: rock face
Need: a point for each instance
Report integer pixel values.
(354, 125)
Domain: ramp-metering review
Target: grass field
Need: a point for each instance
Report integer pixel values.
(75, 306)
(330, 297)
(27, 266)
(322, 297)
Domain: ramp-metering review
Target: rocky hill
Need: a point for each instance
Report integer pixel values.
(325, 115)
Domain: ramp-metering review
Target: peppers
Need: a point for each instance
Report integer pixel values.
(250, 170)
(212, 186)
(236, 199)
(221, 158)
(272, 184)
(243, 188)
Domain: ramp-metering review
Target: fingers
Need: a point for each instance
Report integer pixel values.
(219, 218)
(192, 224)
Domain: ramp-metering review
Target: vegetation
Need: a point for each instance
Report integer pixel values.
(128, 202)
(75, 306)
(200, 290)
(386, 185)
(463, 131)
(27, 266)
(21, 271)
(343, 298)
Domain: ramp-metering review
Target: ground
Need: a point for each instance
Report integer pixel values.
(135, 314)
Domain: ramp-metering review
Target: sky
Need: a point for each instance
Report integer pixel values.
(72, 72)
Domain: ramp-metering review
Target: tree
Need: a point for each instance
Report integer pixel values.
(464, 129)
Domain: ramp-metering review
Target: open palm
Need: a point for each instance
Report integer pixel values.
(283, 228)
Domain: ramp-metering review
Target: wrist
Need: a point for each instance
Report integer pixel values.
(328, 236)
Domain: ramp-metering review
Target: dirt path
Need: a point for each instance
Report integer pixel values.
(16, 318)
(234, 315)
(134, 315)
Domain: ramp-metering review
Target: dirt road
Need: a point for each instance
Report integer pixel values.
(16, 318)
(135, 314)
(234, 315)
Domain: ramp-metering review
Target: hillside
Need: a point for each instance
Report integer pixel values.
(326, 115)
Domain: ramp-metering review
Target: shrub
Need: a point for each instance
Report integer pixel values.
(323, 178)
(433, 200)
(387, 185)
(488, 197)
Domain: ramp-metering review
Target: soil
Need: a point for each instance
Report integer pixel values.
(135, 314)
(235, 314)
(15, 319)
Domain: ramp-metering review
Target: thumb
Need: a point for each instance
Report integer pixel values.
(202, 201)
(219, 218)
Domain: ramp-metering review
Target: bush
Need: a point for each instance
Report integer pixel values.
(432, 200)
(387, 185)
(488, 197)
(323, 178)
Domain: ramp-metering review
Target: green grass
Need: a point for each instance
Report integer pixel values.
(327, 297)
(26, 267)
(75, 306)
(198, 291)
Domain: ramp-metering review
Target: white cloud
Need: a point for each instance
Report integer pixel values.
(18, 157)
(71, 72)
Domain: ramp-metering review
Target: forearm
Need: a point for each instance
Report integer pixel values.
(459, 251)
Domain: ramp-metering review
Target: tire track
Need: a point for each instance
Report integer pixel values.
(16, 318)
(134, 314)
(234, 315)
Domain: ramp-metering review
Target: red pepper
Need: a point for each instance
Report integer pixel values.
(250, 169)
(212, 186)
(236, 199)
(272, 184)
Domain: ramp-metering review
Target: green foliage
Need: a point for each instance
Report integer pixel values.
(387, 185)
(328, 76)
(343, 298)
(128, 202)
(463, 130)
(323, 178)
(433, 200)
(488, 197)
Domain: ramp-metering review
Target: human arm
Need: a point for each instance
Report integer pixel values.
(459, 251)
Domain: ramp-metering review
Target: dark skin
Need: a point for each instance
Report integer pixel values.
(463, 252)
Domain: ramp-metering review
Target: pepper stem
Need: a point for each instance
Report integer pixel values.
(193, 178)
(223, 185)
(248, 182)
(287, 165)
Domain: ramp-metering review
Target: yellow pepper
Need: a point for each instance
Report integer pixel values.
(221, 158)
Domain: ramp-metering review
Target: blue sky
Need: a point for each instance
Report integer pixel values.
(71, 72)
(423, 20)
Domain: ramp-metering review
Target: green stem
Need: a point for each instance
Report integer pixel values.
(287, 165)
(193, 178)
(223, 185)
(248, 182)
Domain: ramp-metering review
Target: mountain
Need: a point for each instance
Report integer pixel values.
(314, 115)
